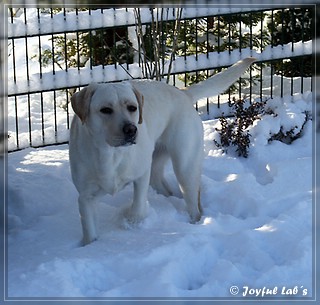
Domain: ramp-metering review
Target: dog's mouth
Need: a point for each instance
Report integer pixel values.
(130, 141)
(123, 142)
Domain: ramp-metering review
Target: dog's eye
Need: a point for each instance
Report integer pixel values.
(132, 108)
(106, 110)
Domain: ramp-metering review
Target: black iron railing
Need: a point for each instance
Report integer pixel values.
(53, 52)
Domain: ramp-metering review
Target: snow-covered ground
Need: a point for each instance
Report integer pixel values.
(256, 230)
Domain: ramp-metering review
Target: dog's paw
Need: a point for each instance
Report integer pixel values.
(130, 224)
(132, 219)
(195, 218)
(85, 241)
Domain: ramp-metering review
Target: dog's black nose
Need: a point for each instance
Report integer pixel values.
(129, 130)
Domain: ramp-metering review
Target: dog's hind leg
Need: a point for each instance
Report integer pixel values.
(187, 155)
(189, 182)
(157, 179)
(188, 173)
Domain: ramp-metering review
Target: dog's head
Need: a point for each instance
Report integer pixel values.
(111, 112)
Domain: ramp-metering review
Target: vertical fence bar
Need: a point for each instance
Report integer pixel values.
(272, 45)
(29, 122)
(240, 31)
(293, 23)
(282, 43)
(281, 86)
(229, 37)
(114, 50)
(92, 55)
(163, 24)
(78, 43)
(240, 46)
(251, 48)
(28, 79)
(127, 42)
(52, 46)
(55, 115)
(208, 50)
(196, 34)
(207, 37)
(271, 78)
(26, 47)
(230, 48)
(14, 61)
(291, 78)
(39, 42)
(40, 57)
(272, 28)
(17, 121)
(42, 117)
(261, 50)
(67, 109)
(185, 50)
(303, 39)
(78, 50)
(301, 59)
(65, 52)
(41, 93)
(90, 50)
(103, 48)
(219, 35)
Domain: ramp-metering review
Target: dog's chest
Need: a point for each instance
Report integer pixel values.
(116, 171)
(112, 181)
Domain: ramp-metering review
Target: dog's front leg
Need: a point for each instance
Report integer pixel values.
(87, 205)
(139, 208)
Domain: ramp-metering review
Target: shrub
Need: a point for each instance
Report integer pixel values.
(291, 135)
(234, 130)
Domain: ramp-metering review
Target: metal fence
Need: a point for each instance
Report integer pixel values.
(52, 52)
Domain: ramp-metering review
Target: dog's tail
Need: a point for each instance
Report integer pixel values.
(219, 82)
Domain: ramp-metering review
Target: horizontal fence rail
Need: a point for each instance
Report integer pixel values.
(53, 52)
(69, 21)
(74, 77)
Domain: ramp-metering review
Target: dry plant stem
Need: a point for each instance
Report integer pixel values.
(157, 68)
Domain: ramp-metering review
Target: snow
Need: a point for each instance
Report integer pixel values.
(256, 229)
(82, 76)
(54, 123)
(82, 20)
(30, 77)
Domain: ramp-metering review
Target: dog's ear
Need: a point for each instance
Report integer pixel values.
(140, 100)
(80, 102)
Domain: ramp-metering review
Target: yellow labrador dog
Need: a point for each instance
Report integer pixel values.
(125, 132)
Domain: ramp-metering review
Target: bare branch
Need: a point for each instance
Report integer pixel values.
(156, 68)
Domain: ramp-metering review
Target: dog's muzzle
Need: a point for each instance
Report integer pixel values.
(130, 133)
